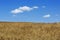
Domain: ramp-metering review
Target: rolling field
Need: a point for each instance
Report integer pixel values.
(29, 31)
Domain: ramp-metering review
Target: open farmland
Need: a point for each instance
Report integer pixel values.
(29, 31)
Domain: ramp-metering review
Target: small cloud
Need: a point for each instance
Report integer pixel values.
(57, 15)
(25, 8)
(35, 7)
(14, 15)
(16, 11)
(43, 6)
(22, 9)
(47, 16)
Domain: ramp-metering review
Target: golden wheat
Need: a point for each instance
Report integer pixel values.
(29, 31)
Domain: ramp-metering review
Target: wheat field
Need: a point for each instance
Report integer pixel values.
(29, 31)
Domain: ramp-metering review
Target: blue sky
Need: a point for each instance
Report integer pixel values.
(30, 10)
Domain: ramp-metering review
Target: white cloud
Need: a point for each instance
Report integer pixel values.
(43, 6)
(16, 11)
(47, 16)
(25, 8)
(35, 7)
(22, 9)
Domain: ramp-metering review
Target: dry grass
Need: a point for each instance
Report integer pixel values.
(29, 31)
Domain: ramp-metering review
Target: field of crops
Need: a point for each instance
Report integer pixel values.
(29, 31)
